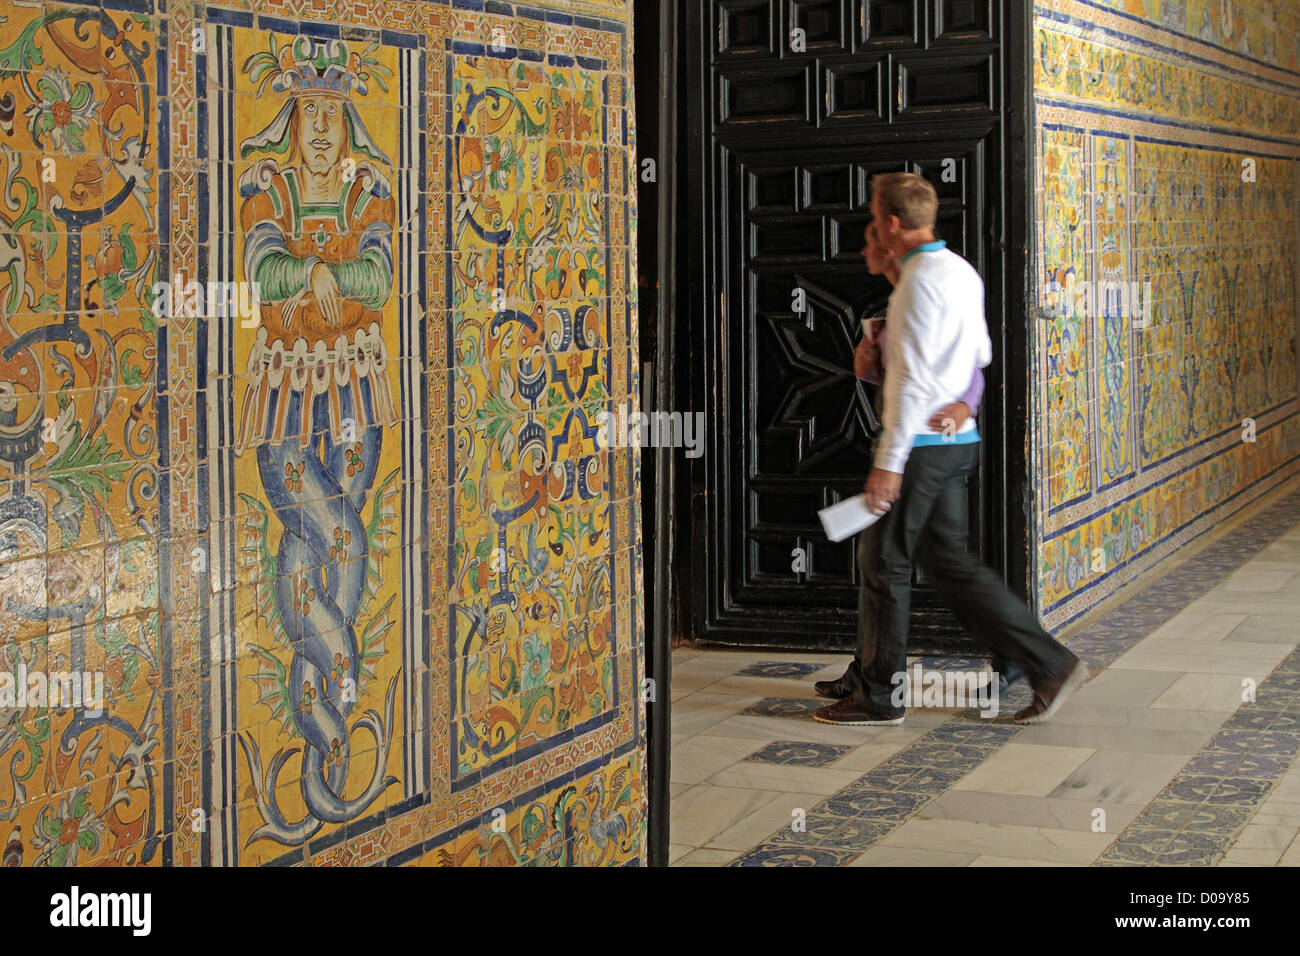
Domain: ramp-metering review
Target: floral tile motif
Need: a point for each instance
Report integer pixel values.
(941, 756)
(85, 532)
(790, 669)
(952, 663)
(982, 734)
(799, 709)
(1163, 848)
(829, 831)
(1261, 742)
(1174, 815)
(896, 805)
(1238, 790)
(1259, 719)
(1214, 764)
(799, 753)
(784, 854)
(898, 776)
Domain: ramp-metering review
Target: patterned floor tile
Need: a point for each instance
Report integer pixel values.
(799, 753)
(933, 781)
(1261, 742)
(982, 734)
(1174, 815)
(893, 776)
(895, 805)
(783, 707)
(1165, 848)
(942, 756)
(1214, 764)
(842, 833)
(784, 854)
(1211, 789)
(1252, 717)
(789, 669)
(954, 663)
(1217, 818)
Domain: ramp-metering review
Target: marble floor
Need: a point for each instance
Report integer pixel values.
(1180, 751)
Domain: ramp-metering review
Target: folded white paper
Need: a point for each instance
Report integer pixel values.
(847, 518)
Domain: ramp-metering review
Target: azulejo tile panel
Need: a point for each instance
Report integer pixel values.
(358, 580)
(81, 450)
(533, 652)
(1267, 31)
(1166, 379)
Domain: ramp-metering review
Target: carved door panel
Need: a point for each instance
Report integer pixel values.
(798, 105)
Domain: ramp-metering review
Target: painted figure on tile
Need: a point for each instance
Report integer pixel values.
(318, 215)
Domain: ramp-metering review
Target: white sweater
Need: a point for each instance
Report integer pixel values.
(937, 334)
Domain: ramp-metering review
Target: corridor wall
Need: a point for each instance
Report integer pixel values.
(1164, 300)
(358, 581)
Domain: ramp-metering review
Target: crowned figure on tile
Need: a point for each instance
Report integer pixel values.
(317, 211)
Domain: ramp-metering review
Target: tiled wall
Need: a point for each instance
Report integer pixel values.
(360, 583)
(1167, 136)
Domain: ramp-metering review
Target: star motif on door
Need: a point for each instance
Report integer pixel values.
(816, 393)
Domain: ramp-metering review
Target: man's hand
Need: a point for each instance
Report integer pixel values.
(326, 291)
(866, 360)
(882, 489)
(950, 418)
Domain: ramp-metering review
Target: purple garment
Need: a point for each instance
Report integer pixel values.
(970, 398)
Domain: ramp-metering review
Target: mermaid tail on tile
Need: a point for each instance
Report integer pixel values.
(317, 491)
(323, 802)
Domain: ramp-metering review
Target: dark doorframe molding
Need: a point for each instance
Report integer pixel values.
(1019, 403)
(659, 664)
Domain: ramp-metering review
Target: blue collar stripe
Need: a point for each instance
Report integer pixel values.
(925, 247)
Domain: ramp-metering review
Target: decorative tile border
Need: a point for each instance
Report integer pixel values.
(880, 801)
(1201, 812)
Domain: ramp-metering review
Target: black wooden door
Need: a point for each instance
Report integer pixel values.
(795, 104)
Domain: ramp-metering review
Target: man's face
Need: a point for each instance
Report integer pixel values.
(875, 254)
(320, 131)
(880, 222)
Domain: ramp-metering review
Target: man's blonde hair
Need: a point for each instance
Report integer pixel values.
(909, 197)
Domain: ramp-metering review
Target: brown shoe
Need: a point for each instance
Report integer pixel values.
(849, 713)
(1049, 698)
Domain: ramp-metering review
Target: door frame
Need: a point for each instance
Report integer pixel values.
(1019, 403)
(1009, 512)
(1005, 518)
(666, 513)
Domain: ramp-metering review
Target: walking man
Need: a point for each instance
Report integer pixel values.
(937, 333)
(869, 366)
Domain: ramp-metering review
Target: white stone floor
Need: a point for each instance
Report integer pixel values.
(1115, 746)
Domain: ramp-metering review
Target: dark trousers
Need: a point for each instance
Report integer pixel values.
(928, 523)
